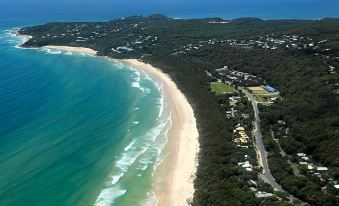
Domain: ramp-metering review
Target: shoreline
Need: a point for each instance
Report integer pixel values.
(174, 183)
(72, 49)
(174, 178)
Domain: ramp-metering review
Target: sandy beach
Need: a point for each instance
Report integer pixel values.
(177, 173)
(179, 169)
(72, 49)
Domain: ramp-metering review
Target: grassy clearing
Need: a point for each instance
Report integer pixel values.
(221, 88)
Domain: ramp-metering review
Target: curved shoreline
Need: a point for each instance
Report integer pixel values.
(174, 182)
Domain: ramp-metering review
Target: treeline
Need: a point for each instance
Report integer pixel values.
(220, 181)
(309, 105)
(306, 187)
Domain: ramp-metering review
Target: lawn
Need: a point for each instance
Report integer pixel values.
(221, 88)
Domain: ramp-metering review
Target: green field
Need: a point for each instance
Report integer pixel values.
(221, 88)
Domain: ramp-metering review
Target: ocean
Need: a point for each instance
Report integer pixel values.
(76, 129)
(99, 10)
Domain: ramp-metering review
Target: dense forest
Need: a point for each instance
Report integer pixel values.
(299, 57)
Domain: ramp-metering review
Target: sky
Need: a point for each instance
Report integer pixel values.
(109, 9)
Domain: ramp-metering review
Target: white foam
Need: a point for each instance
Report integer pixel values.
(116, 178)
(136, 122)
(161, 106)
(50, 51)
(144, 164)
(129, 146)
(143, 152)
(136, 85)
(147, 90)
(128, 159)
(137, 79)
(109, 195)
(69, 53)
(155, 132)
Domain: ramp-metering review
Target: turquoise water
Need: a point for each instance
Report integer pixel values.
(76, 129)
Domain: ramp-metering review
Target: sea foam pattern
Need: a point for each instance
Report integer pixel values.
(141, 155)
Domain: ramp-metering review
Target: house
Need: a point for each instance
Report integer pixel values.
(336, 187)
(225, 68)
(245, 164)
(125, 48)
(252, 182)
(246, 147)
(322, 169)
(310, 167)
(261, 194)
(301, 154)
(240, 129)
(281, 122)
(240, 140)
(305, 159)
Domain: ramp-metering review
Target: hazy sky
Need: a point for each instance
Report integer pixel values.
(106, 9)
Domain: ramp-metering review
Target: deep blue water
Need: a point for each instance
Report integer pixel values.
(80, 10)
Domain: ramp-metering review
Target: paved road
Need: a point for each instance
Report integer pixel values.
(266, 175)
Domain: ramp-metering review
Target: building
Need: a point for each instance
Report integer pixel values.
(301, 154)
(245, 164)
(263, 194)
(240, 129)
(310, 167)
(322, 169)
(305, 159)
(270, 89)
(252, 182)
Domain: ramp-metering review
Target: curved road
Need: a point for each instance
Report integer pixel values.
(266, 175)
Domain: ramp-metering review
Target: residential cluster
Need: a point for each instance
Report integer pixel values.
(238, 109)
(305, 162)
(273, 42)
(234, 77)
